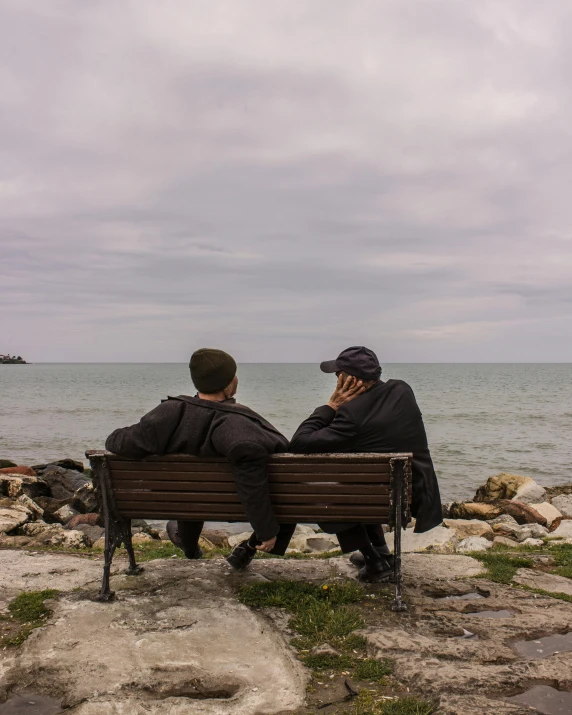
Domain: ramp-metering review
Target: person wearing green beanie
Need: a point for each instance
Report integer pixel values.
(210, 424)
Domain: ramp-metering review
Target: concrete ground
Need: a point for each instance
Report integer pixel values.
(177, 641)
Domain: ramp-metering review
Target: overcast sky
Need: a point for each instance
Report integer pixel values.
(285, 179)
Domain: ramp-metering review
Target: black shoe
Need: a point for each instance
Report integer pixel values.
(173, 534)
(358, 559)
(375, 572)
(241, 556)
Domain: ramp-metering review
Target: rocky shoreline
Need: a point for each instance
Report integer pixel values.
(55, 505)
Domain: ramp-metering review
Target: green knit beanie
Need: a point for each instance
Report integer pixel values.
(211, 370)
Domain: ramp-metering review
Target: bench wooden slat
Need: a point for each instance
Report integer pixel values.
(123, 496)
(291, 478)
(236, 512)
(273, 468)
(284, 518)
(230, 487)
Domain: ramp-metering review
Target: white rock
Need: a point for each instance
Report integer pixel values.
(315, 544)
(533, 542)
(564, 504)
(537, 531)
(545, 581)
(530, 493)
(65, 513)
(564, 531)
(469, 527)
(39, 527)
(235, 539)
(503, 519)
(301, 530)
(548, 511)
(30, 504)
(520, 533)
(439, 540)
(55, 535)
(69, 539)
(503, 541)
(12, 517)
(474, 543)
(141, 538)
(304, 530)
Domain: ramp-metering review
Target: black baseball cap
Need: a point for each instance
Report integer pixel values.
(357, 361)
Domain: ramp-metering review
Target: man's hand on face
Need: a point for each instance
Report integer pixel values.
(267, 545)
(347, 389)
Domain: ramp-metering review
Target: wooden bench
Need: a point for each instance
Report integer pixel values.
(365, 488)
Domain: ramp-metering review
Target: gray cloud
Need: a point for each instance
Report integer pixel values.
(283, 179)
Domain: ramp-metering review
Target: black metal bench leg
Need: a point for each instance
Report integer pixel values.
(398, 604)
(134, 569)
(106, 594)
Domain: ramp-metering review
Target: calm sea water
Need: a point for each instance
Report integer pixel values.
(480, 419)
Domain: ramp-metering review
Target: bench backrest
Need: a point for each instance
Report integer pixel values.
(303, 488)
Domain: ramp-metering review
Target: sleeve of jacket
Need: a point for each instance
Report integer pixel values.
(249, 465)
(325, 431)
(150, 435)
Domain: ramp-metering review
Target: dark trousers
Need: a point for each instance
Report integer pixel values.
(354, 537)
(190, 531)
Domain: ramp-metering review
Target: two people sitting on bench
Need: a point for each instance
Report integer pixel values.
(385, 418)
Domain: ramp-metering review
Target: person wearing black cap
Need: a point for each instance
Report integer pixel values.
(213, 424)
(366, 414)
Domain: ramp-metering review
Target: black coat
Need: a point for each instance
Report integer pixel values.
(189, 425)
(384, 419)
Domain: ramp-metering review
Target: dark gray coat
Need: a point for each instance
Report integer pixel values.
(384, 419)
(189, 425)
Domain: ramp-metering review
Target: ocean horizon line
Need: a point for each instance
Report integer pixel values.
(300, 362)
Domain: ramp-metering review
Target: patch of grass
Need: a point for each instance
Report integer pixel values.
(501, 567)
(355, 643)
(320, 613)
(320, 622)
(368, 704)
(25, 613)
(372, 670)
(562, 555)
(291, 594)
(326, 661)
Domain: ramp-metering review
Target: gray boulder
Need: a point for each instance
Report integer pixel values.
(537, 531)
(64, 483)
(504, 519)
(564, 505)
(65, 463)
(91, 533)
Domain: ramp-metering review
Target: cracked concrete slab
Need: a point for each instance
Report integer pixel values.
(175, 635)
(36, 571)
